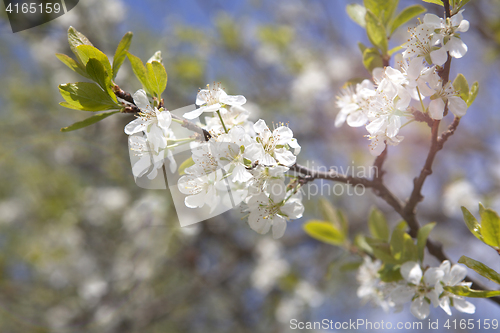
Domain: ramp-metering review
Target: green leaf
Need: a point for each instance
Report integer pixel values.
(382, 9)
(381, 250)
(157, 77)
(402, 225)
(97, 72)
(394, 50)
(437, 2)
(140, 72)
(397, 244)
(186, 164)
(480, 268)
(89, 121)
(490, 228)
(324, 232)
(390, 273)
(471, 223)
(467, 292)
(406, 15)
(362, 47)
(372, 59)
(376, 32)
(473, 93)
(460, 84)
(335, 216)
(423, 234)
(72, 64)
(357, 13)
(121, 52)
(75, 39)
(378, 225)
(361, 243)
(86, 96)
(410, 252)
(86, 52)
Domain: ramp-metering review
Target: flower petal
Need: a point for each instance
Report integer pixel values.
(457, 106)
(439, 56)
(193, 114)
(279, 226)
(232, 100)
(464, 306)
(411, 272)
(456, 47)
(420, 308)
(135, 126)
(436, 109)
(141, 100)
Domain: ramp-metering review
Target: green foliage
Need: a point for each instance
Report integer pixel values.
(390, 273)
(72, 64)
(406, 15)
(467, 292)
(140, 72)
(86, 96)
(157, 77)
(334, 216)
(325, 232)
(376, 31)
(382, 9)
(378, 225)
(437, 2)
(75, 39)
(372, 59)
(89, 121)
(489, 229)
(480, 268)
(473, 93)
(96, 72)
(423, 234)
(461, 86)
(121, 52)
(357, 13)
(87, 52)
(471, 223)
(186, 164)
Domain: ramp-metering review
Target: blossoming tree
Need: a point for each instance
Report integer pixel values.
(237, 162)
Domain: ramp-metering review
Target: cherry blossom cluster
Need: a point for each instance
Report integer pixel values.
(421, 288)
(241, 163)
(383, 103)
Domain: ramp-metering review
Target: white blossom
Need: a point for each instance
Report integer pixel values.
(354, 104)
(155, 123)
(214, 99)
(446, 94)
(448, 32)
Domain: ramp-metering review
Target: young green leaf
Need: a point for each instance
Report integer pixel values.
(357, 13)
(330, 214)
(97, 72)
(410, 252)
(157, 77)
(325, 232)
(362, 47)
(75, 39)
(460, 84)
(376, 32)
(381, 250)
(361, 243)
(467, 292)
(383, 9)
(471, 223)
(87, 52)
(140, 72)
(397, 244)
(186, 164)
(490, 228)
(89, 121)
(121, 52)
(437, 2)
(390, 273)
(480, 268)
(378, 225)
(372, 59)
(72, 64)
(473, 93)
(423, 234)
(86, 96)
(350, 266)
(406, 15)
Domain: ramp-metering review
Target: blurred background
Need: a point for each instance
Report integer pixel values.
(83, 249)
